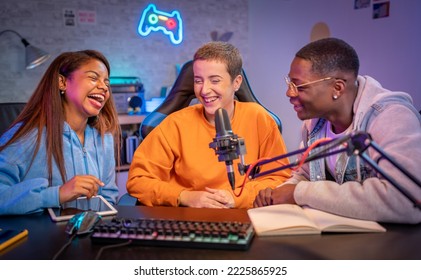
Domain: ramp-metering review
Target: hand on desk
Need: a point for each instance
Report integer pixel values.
(80, 185)
(211, 198)
(281, 195)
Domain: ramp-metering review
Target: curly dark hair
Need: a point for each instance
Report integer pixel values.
(329, 55)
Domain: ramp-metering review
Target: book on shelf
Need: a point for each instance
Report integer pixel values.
(289, 219)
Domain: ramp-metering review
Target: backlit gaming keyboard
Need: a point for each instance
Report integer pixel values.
(175, 233)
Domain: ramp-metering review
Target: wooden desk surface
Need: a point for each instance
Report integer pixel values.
(46, 238)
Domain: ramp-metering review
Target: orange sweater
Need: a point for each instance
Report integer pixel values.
(176, 156)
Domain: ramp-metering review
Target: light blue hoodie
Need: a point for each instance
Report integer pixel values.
(24, 187)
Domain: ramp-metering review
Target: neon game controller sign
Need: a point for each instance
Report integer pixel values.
(153, 20)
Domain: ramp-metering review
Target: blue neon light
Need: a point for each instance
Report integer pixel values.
(169, 23)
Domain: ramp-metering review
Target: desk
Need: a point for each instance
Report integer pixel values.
(46, 238)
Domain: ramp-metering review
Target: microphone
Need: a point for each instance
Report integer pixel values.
(226, 144)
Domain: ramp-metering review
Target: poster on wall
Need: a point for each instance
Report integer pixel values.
(361, 4)
(69, 17)
(87, 17)
(381, 10)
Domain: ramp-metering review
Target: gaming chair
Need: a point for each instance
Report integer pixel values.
(181, 95)
(8, 113)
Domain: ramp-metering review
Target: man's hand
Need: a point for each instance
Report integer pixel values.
(281, 195)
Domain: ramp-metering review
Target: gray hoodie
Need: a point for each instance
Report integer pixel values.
(395, 125)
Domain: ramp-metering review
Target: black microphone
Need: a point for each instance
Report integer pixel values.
(226, 144)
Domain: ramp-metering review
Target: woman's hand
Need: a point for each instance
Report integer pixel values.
(80, 185)
(211, 198)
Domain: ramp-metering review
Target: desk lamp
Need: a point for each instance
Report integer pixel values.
(34, 55)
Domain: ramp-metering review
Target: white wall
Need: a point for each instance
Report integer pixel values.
(267, 32)
(389, 48)
(114, 33)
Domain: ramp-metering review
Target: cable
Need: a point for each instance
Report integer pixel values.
(304, 157)
(98, 255)
(309, 149)
(246, 176)
(64, 247)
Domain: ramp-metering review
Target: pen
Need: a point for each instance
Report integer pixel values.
(10, 237)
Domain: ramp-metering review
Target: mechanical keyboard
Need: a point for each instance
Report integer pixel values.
(175, 233)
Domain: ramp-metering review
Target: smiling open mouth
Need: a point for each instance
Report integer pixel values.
(210, 99)
(97, 97)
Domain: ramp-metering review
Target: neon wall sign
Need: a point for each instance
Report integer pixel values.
(153, 20)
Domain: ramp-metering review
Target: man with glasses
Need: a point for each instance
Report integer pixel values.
(333, 100)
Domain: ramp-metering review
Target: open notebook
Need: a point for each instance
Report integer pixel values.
(288, 219)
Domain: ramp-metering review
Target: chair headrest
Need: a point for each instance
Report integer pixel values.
(182, 94)
(8, 113)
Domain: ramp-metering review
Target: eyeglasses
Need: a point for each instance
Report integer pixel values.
(294, 88)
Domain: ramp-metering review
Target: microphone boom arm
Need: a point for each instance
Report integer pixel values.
(356, 143)
(363, 141)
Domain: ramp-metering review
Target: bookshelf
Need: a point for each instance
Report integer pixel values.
(129, 124)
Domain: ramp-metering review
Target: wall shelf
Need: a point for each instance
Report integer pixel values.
(123, 168)
(130, 119)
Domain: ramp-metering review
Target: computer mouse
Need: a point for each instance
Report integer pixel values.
(82, 223)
